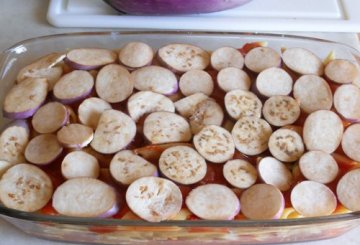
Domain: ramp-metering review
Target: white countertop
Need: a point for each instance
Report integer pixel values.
(20, 20)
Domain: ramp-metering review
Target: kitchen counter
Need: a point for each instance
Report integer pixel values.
(26, 19)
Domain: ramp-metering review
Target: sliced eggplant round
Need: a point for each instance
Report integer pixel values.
(90, 58)
(310, 199)
(347, 102)
(232, 78)
(286, 145)
(79, 164)
(350, 142)
(348, 190)
(207, 112)
(313, 93)
(144, 102)
(85, 197)
(262, 201)
(342, 71)
(251, 135)
(187, 106)
(52, 75)
(274, 172)
(90, 110)
(136, 54)
(166, 127)
(240, 103)
(25, 187)
(213, 202)
(184, 57)
(73, 87)
(50, 117)
(41, 67)
(154, 199)
(196, 81)
(226, 57)
(281, 110)
(114, 83)
(319, 166)
(75, 135)
(24, 99)
(261, 58)
(43, 149)
(115, 131)
(303, 61)
(13, 141)
(274, 81)
(215, 144)
(156, 79)
(4, 166)
(126, 167)
(46, 67)
(183, 165)
(323, 131)
(240, 173)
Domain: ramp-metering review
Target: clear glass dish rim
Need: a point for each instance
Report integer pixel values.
(38, 217)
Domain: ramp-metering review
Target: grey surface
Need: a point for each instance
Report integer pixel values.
(23, 19)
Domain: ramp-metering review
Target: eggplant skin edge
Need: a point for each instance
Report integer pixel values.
(171, 7)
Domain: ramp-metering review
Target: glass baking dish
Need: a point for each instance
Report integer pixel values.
(117, 231)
